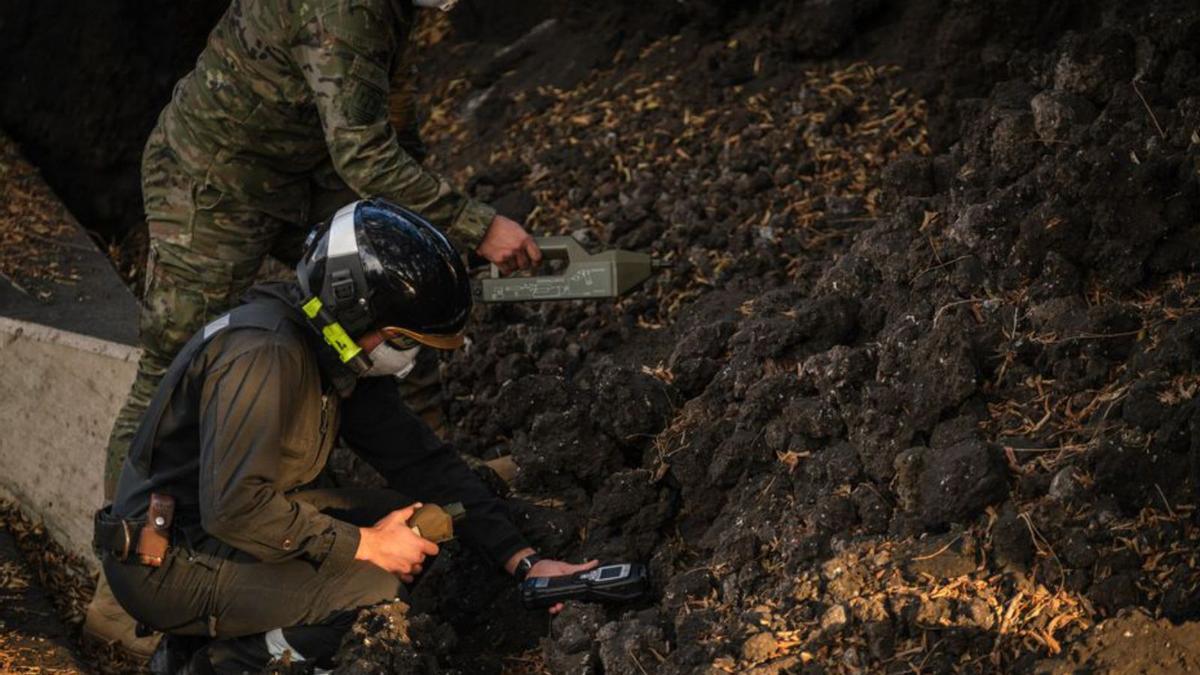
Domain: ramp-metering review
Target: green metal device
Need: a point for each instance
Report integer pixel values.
(585, 275)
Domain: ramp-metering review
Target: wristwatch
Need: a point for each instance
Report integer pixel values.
(525, 565)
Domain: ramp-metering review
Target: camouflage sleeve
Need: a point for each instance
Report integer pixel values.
(344, 51)
(404, 113)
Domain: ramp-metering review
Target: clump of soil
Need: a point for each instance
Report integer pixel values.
(918, 391)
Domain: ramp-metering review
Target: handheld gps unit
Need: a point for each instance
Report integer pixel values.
(619, 582)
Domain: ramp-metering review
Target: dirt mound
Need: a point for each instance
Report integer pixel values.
(1131, 643)
(900, 402)
(918, 390)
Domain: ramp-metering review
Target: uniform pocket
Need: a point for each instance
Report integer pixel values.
(205, 197)
(184, 290)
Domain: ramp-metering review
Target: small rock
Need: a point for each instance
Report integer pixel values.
(1065, 486)
(760, 647)
(1054, 113)
(951, 484)
(834, 619)
(1012, 545)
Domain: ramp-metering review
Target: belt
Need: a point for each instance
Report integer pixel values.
(115, 536)
(149, 538)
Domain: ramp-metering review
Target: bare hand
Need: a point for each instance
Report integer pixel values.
(558, 568)
(392, 545)
(508, 246)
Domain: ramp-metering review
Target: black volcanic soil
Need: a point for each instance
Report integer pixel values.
(918, 392)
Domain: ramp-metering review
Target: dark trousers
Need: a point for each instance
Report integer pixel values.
(256, 610)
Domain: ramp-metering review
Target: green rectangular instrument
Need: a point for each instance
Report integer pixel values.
(584, 275)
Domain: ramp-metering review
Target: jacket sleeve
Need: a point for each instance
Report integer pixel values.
(244, 404)
(381, 429)
(344, 50)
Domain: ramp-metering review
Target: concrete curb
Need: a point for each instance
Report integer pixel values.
(59, 393)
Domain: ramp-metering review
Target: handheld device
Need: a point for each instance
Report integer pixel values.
(609, 274)
(619, 582)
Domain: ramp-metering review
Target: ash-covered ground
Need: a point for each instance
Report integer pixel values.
(918, 391)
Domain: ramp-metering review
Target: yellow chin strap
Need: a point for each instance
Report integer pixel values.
(335, 335)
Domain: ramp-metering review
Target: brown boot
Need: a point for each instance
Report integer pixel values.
(107, 623)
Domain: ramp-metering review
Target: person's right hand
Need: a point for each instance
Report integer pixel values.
(508, 246)
(392, 545)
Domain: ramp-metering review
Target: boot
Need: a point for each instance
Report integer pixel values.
(181, 655)
(108, 623)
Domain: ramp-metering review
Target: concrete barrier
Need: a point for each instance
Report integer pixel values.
(59, 393)
(66, 357)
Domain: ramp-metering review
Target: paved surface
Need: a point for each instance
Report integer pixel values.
(51, 272)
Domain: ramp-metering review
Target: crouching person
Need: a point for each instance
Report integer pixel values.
(209, 538)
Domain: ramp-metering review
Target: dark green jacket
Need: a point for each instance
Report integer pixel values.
(286, 89)
(249, 411)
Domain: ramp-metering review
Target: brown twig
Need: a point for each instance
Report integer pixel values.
(940, 550)
(1153, 118)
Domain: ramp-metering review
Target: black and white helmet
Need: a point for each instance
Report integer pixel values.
(377, 265)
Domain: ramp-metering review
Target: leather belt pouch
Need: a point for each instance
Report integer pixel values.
(155, 537)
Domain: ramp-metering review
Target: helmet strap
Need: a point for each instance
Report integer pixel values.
(335, 336)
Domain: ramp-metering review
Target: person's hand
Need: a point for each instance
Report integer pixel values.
(508, 246)
(392, 545)
(558, 568)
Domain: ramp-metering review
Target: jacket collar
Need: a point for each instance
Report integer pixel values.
(333, 371)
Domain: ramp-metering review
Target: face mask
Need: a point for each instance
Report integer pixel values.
(444, 5)
(387, 360)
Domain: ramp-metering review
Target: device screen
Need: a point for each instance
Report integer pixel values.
(611, 573)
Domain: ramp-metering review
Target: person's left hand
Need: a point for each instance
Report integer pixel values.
(558, 568)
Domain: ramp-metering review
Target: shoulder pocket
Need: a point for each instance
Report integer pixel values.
(367, 93)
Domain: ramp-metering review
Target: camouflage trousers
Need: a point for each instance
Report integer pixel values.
(206, 249)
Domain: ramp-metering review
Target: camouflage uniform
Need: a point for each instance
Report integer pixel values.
(284, 118)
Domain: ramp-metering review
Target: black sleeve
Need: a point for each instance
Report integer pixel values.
(381, 429)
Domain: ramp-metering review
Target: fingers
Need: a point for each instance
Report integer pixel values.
(428, 548)
(409, 571)
(399, 516)
(557, 608)
(532, 250)
(521, 260)
(583, 567)
(509, 246)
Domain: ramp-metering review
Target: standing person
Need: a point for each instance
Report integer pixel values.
(210, 536)
(285, 114)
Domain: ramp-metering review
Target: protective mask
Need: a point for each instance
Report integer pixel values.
(387, 360)
(444, 5)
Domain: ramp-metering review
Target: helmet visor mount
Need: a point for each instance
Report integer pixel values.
(393, 333)
(342, 307)
(345, 289)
